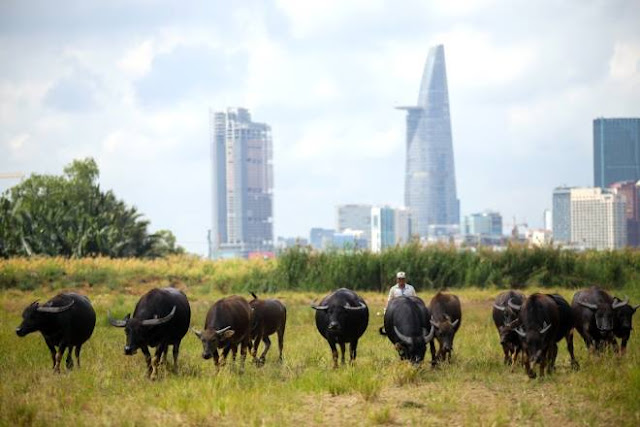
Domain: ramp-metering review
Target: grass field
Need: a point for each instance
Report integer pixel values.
(475, 389)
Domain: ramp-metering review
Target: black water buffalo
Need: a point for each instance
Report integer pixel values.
(593, 312)
(65, 321)
(539, 324)
(269, 317)
(446, 316)
(342, 317)
(161, 318)
(506, 319)
(623, 320)
(228, 324)
(566, 324)
(407, 325)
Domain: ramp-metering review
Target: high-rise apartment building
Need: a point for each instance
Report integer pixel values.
(616, 150)
(486, 223)
(242, 184)
(629, 190)
(430, 184)
(589, 217)
(354, 217)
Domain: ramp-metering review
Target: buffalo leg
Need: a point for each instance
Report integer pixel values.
(155, 362)
(574, 363)
(507, 354)
(216, 358)
(147, 358)
(234, 352)
(623, 345)
(353, 347)
(527, 365)
(254, 347)
(267, 346)
(176, 352)
(342, 349)
(434, 358)
(280, 341)
(225, 353)
(334, 353)
(61, 349)
(52, 350)
(69, 361)
(78, 348)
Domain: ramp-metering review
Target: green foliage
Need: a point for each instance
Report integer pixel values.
(71, 216)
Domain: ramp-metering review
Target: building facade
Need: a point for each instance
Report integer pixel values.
(321, 238)
(629, 190)
(242, 185)
(430, 184)
(616, 150)
(591, 218)
(354, 217)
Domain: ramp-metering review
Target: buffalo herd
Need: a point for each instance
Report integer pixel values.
(529, 327)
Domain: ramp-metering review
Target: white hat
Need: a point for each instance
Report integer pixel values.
(400, 275)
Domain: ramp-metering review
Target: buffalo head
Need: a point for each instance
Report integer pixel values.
(137, 330)
(34, 317)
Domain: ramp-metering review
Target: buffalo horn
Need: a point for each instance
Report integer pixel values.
(116, 323)
(55, 309)
(455, 323)
(499, 307)
(359, 307)
(403, 338)
(520, 332)
(319, 307)
(434, 323)
(218, 332)
(197, 332)
(429, 337)
(588, 305)
(545, 327)
(513, 306)
(618, 304)
(160, 321)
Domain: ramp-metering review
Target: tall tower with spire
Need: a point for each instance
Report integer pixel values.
(430, 180)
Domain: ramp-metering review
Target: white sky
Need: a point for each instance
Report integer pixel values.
(130, 84)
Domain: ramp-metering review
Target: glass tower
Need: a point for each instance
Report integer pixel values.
(430, 182)
(242, 185)
(616, 150)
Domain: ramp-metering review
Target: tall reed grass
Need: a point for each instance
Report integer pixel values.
(300, 268)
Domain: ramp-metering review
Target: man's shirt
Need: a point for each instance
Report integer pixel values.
(397, 291)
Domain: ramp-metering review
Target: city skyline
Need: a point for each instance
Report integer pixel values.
(130, 85)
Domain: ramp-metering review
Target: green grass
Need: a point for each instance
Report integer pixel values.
(475, 389)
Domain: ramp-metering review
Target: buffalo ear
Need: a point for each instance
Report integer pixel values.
(127, 317)
(228, 334)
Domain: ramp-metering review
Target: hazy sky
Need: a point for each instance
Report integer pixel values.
(130, 83)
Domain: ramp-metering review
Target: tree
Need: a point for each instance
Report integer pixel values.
(70, 216)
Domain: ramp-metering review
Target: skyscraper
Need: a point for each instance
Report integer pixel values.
(430, 183)
(589, 217)
(616, 151)
(242, 184)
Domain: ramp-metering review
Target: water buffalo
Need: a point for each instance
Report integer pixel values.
(593, 311)
(446, 316)
(342, 317)
(539, 324)
(65, 321)
(565, 328)
(228, 324)
(161, 318)
(623, 320)
(269, 317)
(407, 325)
(506, 319)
